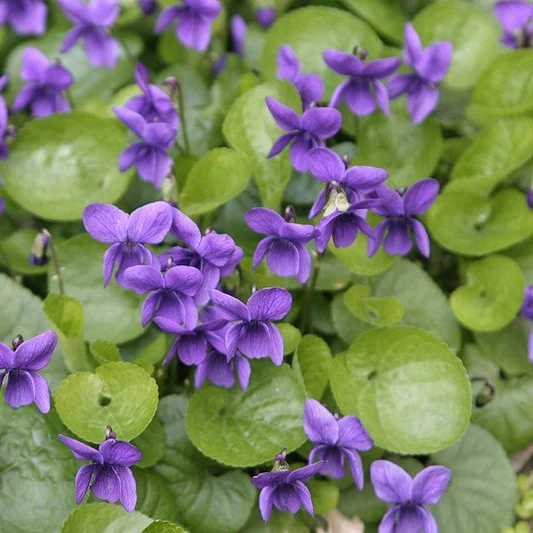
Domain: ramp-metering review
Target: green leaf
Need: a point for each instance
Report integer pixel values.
(480, 498)
(504, 88)
(59, 164)
(104, 352)
(472, 225)
(303, 30)
(499, 149)
(313, 358)
(365, 504)
(523, 254)
(120, 395)
(203, 501)
(424, 303)
(409, 389)
(325, 495)
(279, 522)
(474, 36)
(105, 518)
(151, 443)
(492, 295)
(34, 467)
(409, 152)
(15, 252)
(251, 130)
(221, 175)
(248, 428)
(383, 311)
(154, 497)
(291, 337)
(112, 313)
(162, 526)
(346, 325)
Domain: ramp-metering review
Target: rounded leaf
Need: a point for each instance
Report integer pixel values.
(163, 526)
(381, 311)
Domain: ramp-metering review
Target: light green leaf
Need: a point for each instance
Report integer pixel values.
(303, 29)
(492, 295)
(347, 326)
(162, 526)
(409, 389)
(383, 311)
(472, 225)
(112, 313)
(251, 130)
(474, 36)
(364, 504)
(151, 443)
(154, 497)
(279, 523)
(221, 175)
(523, 254)
(15, 252)
(120, 395)
(407, 151)
(313, 359)
(291, 337)
(104, 352)
(325, 495)
(248, 428)
(482, 493)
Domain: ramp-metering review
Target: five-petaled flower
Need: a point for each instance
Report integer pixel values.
(46, 83)
(516, 18)
(26, 17)
(21, 366)
(409, 496)
(336, 439)
(110, 470)
(305, 132)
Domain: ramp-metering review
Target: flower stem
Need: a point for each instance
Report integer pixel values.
(309, 291)
(55, 261)
(181, 108)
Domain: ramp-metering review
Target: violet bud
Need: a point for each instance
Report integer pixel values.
(38, 255)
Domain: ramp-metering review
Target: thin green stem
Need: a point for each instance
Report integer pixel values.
(181, 109)
(55, 261)
(309, 290)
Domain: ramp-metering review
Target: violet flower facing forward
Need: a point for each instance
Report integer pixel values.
(150, 156)
(527, 312)
(194, 19)
(127, 234)
(336, 440)
(310, 86)
(516, 18)
(46, 83)
(109, 471)
(284, 246)
(21, 366)
(399, 222)
(363, 90)
(305, 132)
(430, 65)
(409, 496)
(253, 332)
(92, 24)
(26, 17)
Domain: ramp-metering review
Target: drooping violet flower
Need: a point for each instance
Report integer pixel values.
(110, 470)
(92, 23)
(238, 29)
(328, 167)
(430, 65)
(305, 132)
(39, 249)
(527, 312)
(266, 16)
(4, 118)
(148, 7)
(399, 222)
(409, 496)
(154, 105)
(171, 295)
(194, 19)
(46, 83)
(253, 332)
(284, 246)
(516, 18)
(127, 234)
(150, 156)
(310, 86)
(26, 17)
(363, 90)
(284, 489)
(21, 366)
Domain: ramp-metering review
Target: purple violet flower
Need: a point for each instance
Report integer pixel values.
(310, 86)
(4, 118)
(92, 23)
(21, 365)
(150, 156)
(127, 234)
(39, 249)
(409, 496)
(284, 488)
(110, 470)
(216, 369)
(238, 33)
(336, 439)
(328, 167)
(400, 212)
(148, 7)
(430, 65)
(305, 132)
(46, 83)
(266, 16)
(363, 90)
(194, 19)
(284, 245)
(26, 17)
(171, 292)
(253, 332)
(527, 312)
(516, 18)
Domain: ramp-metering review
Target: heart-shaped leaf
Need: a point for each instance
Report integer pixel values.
(378, 311)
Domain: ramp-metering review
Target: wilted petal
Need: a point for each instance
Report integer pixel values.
(105, 223)
(352, 434)
(35, 353)
(106, 484)
(270, 304)
(150, 223)
(422, 101)
(264, 221)
(430, 484)
(81, 451)
(435, 61)
(325, 164)
(420, 196)
(391, 483)
(285, 117)
(322, 122)
(119, 452)
(20, 389)
(41, 394)
(320, 425)
(231, 308)
(343, 63)
(83, 479)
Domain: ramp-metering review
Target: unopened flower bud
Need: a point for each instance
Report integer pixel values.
(266, 16)
(290, 214)
(169, 189)
(360, 52)
(17, 341)
(109, 433)
(38, 255)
